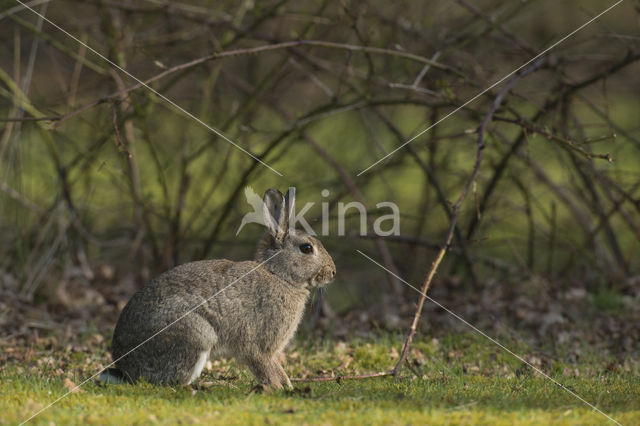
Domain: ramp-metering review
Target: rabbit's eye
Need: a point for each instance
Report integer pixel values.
(306, 248)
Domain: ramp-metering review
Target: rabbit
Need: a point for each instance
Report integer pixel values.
(249, 310)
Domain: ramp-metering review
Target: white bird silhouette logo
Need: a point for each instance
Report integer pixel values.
(255, 201)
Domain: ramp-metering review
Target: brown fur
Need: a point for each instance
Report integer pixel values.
(252, 320)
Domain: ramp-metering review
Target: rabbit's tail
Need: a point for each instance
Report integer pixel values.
(113, 376)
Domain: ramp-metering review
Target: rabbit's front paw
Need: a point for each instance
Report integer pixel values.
(284, 379)
(265, 388)
(269, 373)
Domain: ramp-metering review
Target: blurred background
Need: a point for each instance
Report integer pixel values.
(104, 184)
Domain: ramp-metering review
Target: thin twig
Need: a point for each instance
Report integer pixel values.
(14, 119)
(253, 51)
(339, 378)
(550, 135)
(117, 133)
(455, 212)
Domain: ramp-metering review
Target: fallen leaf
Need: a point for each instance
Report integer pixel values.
(394, 353)
(71, 387)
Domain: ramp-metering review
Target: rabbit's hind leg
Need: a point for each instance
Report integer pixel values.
(178, 356)
(179, 365)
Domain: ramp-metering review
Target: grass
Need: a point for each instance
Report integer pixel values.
(459, 378)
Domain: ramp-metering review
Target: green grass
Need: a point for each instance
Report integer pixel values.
(457, 379)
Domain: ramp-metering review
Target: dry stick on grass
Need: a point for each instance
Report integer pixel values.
(339, 378)
(456, 210)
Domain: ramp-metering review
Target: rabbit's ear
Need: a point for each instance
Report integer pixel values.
(274, 217)
(289, 206)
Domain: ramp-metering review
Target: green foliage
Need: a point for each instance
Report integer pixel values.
(607, 299)
(459, 378)
(72, 187)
